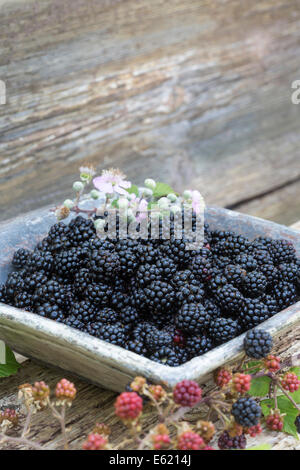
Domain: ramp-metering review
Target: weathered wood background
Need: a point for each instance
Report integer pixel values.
(197, 92)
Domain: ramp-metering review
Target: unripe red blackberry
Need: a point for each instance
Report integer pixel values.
(9, 417)
(65, 392)
(40, 393)
(189, 440)
(290, 382)
(241, 383)
(95, 442)
(227, 442)
(161, 441)
(272, 363)
(187, 393)
(208, 448)
(223, 377)
(275, 421)
(128, 406)
(254, 431)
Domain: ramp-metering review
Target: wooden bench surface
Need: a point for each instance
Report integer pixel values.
(94, 404)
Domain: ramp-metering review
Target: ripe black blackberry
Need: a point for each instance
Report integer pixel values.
(54, 312)
(288, 272)
(114, 334)
(74, 322)
(226, 442)
(146, 253)
(129, 262)
(246, 412)
(230, 299)
(198, 345)
(82, 279)
(106, 316)
(99, 294)
(58, 237)
(21, 257)
(83, 310)
(271, 274)
(177, 251)
(285, 293)
(271, 303)
(166, 356)
(220, 263)
(81, 230)
(201, 267)
(253, 313)
(23, 300)
(105, 263)
(182, 278)
(159, 296)
(217, 281)
(190, 293)
(129, 315)
(55, 293)
(136, 346)
(246, 261)
(258, 343)
(262, 256)
(156, 339)
(33, 281)
(254, 284)
(231, 246)
(14, 283)
(235, 274)
(68, 262)
(140, 332)
(4, 297)
(120, 299)
(212, 308)
(40, 261)
(283, 251)
(147, 273)
(192, 318)
(223, 329)
(166, 267)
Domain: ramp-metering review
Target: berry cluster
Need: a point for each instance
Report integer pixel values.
(155, 297)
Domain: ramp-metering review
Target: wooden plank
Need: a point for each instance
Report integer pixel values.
(190, 91)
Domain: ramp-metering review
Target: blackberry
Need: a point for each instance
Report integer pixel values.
(212, 308)
(51, 311)
(113, 334)
(262, 256)
(192, 318)
(128, 315)
(271, 274)
(246, 261)
(105, 262)
(222, 330)
(182, 278)
(182, 355)
(254, 313)
(159, 296)
(106, 316)
(227, 442)
(230, 299)
(4, 297)
(120, 300)
(34, 281)
(128, 258)
(246, 412)
(231, 246)
(21, 257)
(81, 230)
(147, 253)
(271, 304)
(217, 281)
(190, 293)
(254, 284)
(141, 331)
(297, 424)
(235, 274)
(83, 310)
(220, 262)
(283, 251)
(99, 294)
(166, 356)
(147, 273)
(136, 346)
(23, 300)
(166, 267)
(53, 292)
(156, 339)
(288, 272)
(198, 345)
(258, 344)
(285, 294)
(58, 237)
(201, 267)
(82, 279)
(40, 261)
(177, 251)
(74, 322)
(67, 262)
(14, 283)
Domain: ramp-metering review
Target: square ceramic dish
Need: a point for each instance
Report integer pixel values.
(97, 361)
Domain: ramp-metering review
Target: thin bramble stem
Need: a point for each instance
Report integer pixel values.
(26, 428)
(21, 441)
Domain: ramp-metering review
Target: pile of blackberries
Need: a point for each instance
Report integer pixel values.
(154, 297)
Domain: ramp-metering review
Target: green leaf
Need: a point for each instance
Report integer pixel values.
(285, 407)
(11, 367)
(261, 447)
(260, 386)
(133, 190)
(162, 189)
(289, 426)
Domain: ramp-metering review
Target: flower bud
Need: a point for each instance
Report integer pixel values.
(123, 203)
(150, 183)
(172, 197)
(187, 194)
(68, 203)
(78, 186)
(163, 202)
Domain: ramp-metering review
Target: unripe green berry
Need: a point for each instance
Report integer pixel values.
(150, 183)
(187, 194)
(172, 197)
(68, 203)
(123, 203)
(78, 186)
(95, 194)
(163, 202)
(99, 224)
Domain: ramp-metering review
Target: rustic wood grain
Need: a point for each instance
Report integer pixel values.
(191, 91)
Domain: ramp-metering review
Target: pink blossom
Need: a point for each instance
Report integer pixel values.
(140, 206)
(112, 181)
(197, 202)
